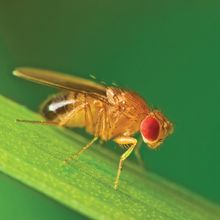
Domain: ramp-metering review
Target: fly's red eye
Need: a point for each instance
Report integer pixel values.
(150, 128)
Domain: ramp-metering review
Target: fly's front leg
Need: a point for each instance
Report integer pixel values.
(124, 141)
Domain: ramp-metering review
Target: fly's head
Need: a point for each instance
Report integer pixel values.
(155, 128)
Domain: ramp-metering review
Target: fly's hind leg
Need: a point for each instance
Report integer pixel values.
(124, 141)
(75, 155)
(88, 118)
(38, 122)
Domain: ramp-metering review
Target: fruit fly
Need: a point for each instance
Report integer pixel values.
(106, 112)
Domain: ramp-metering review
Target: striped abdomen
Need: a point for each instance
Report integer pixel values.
(72, 109)
(56, 107)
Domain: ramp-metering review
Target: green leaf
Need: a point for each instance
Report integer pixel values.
(34, 155)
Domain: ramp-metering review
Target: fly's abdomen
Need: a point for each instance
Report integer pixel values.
(55, 107)
(72, 109)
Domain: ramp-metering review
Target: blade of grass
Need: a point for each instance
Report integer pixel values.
(34, 155)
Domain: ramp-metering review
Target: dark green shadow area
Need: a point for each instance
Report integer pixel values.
(23, 203)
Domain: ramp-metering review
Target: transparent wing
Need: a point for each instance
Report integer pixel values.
(61, 81)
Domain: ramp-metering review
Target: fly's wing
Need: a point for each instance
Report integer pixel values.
(62, 81)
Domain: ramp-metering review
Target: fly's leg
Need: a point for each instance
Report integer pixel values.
(99, 124)
(137, 152)
(124, 141)
(107, 128)
(75, 155)
(38, 122)
(72, 113)
(97, 131)
(88, 118)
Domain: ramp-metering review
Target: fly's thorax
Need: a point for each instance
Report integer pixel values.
(127, 100)
(125, 112)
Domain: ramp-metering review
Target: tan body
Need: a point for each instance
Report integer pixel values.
(106, 120)
(105, 112)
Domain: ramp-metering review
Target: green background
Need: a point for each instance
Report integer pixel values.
(167, 51)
